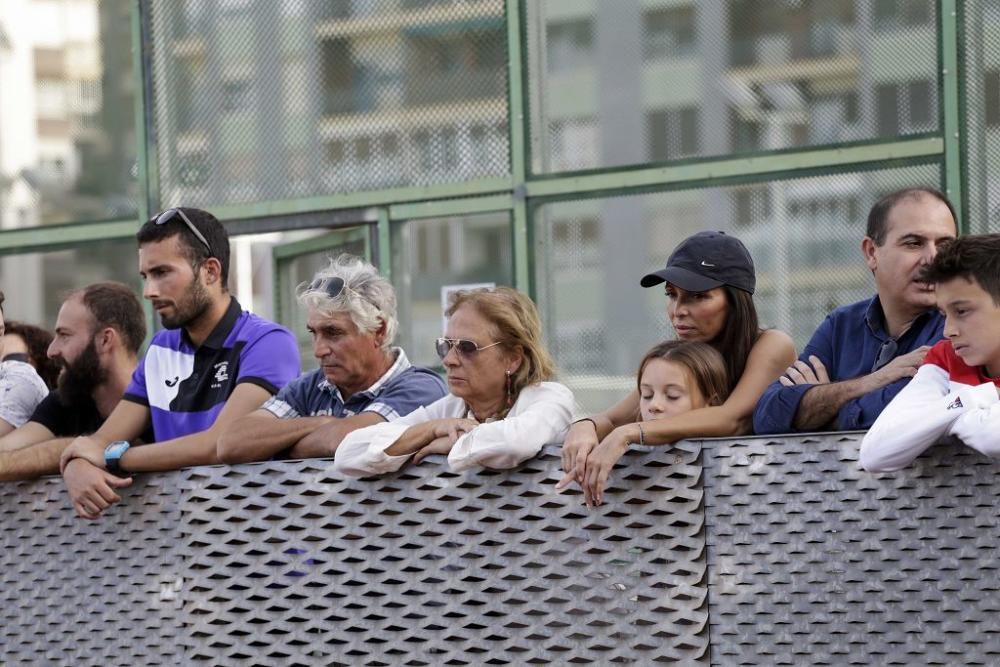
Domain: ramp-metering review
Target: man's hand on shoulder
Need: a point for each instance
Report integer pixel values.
(801, 372)
(85, 447)
(91, 489)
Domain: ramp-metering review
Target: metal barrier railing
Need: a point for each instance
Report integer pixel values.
(750, 551)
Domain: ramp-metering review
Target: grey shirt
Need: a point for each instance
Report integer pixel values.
(21, 390)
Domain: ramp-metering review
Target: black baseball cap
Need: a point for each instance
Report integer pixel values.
(704, 261)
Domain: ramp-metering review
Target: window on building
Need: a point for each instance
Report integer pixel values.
(51, 99)
(192, 170)
(991, 97)
(575, 144)
(237, 95)
(919, 98)
(906, 108)
(751, 205)
(672, 133)
(895, 14)
(745, 134)
(336, 152)
(425, 150)
(338, 75)
(669, 33)
(569, 44)
(887, 100)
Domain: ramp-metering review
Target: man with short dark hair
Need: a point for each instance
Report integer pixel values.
(956, 392)
(213, 363)
(864, 353)
(99, 331)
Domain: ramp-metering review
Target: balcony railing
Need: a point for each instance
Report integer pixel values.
(445, 88)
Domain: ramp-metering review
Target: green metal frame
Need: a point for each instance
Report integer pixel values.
(521, 192)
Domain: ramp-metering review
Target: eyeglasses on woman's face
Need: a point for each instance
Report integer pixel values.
(465, 348)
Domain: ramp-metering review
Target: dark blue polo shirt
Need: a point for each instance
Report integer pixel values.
(848, 343)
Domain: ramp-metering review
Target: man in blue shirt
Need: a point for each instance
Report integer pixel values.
(212, 364)
(362, 380)
(864, 353)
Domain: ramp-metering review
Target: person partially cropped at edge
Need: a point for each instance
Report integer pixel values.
(213, 363)
(502, 407)
(362, 379)
(864, 353)
(709, 282)
(21, 387)
(956, 392)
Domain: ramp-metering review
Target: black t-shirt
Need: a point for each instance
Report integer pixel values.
(70, 421)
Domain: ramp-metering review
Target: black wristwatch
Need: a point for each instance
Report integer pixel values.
(113, 454)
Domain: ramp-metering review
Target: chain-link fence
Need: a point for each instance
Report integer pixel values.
(630, 82)
(982, 113)
(262, 100)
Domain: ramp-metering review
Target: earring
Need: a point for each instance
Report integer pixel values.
(510, 389)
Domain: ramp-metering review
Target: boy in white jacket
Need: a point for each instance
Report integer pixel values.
(955, 391)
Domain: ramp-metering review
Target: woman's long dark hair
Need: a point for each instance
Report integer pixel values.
(741, 331)
(37, 341)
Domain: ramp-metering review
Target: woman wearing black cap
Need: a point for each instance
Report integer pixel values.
(709, 282)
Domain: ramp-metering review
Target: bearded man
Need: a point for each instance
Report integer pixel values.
(98, 333)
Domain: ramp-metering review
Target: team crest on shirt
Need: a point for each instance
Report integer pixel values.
(221, 374)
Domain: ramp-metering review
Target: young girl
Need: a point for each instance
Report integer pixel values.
(677, 376)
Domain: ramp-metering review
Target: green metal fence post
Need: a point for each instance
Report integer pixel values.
(142, 138)
(948, 27)
(384, 231)
(518, 120)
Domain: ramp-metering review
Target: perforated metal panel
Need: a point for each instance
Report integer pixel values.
(813, 561)
(74, 592)
(261, 100)
(280, 563)
(431, 568)
(627, 82)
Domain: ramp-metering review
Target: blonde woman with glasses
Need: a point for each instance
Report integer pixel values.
(502, 406)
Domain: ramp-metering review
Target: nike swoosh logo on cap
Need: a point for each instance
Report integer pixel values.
(704, 263)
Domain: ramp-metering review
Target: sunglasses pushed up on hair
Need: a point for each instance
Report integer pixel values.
(171, 213)
(465, 348)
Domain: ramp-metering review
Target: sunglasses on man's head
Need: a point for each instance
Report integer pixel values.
(466, 348)
(170, 214)
(333, 287)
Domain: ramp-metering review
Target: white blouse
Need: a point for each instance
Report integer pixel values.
(541, 415)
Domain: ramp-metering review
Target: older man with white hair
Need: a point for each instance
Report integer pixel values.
(362, 379)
